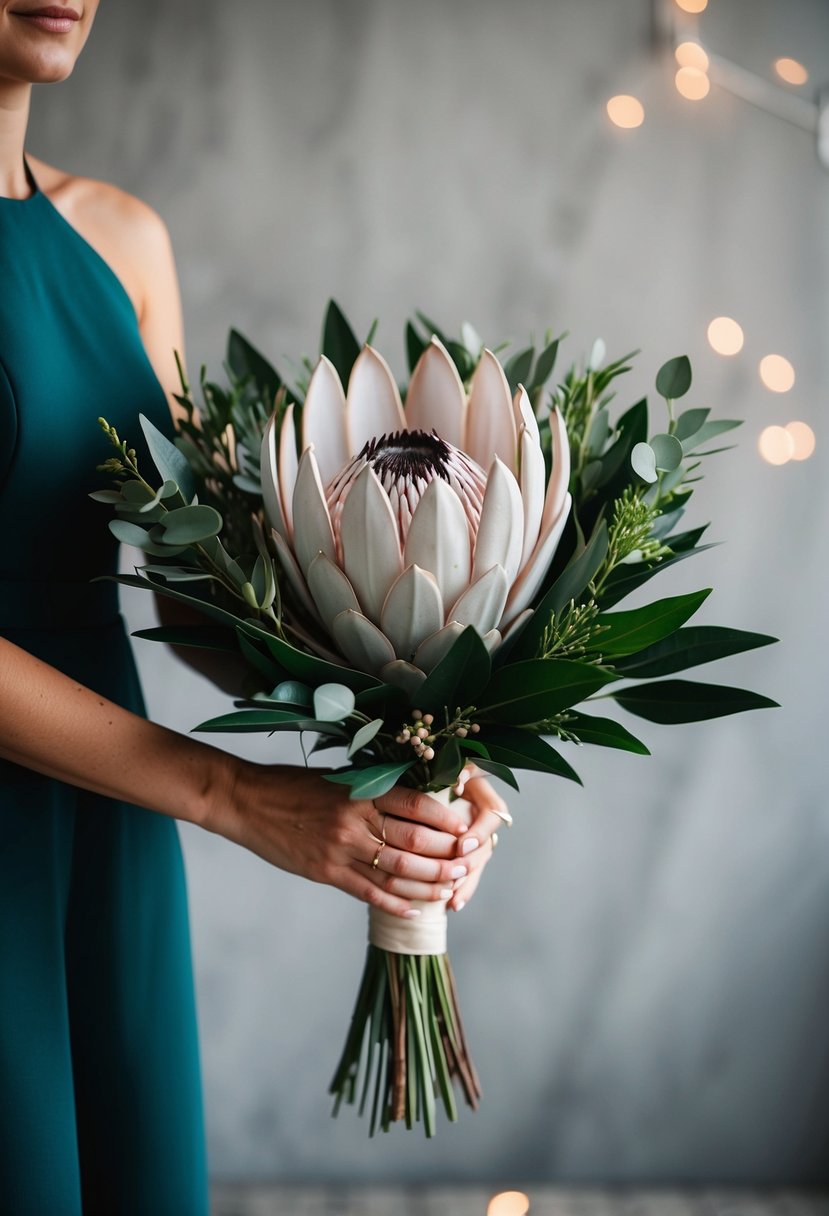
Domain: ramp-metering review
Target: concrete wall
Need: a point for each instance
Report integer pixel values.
(645, 970)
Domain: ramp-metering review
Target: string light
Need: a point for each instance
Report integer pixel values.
(791, 71)
(626, 111)
(803, 438)
(692, 55)
(725, 336)
(692, 6)
(508, 1203)
(692, 83)
(777, 373)
(776, 445)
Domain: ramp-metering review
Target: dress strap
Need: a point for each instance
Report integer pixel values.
(30, 177)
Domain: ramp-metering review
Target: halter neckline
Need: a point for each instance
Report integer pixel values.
(35, 188)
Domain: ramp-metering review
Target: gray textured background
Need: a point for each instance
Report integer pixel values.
(645, 972)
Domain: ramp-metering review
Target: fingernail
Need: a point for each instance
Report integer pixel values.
(469, 845)
(446, 893)
(459, 872)
(460, 905)
(412, 913)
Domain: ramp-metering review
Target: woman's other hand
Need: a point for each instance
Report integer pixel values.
(487, 813)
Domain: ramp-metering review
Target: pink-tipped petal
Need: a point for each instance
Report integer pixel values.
(430, 652)
(370, 545)
(269, 468)
(412, 612)
(492, 640)
(560, 474)
(436, 400)
(323, 420)
(490, 421)
(531, 480)
(524, 414)
(501, 530)
(373, 406)
(331, 589)
(532, 576)
(294, 574)
(483, 602)
(312, 525)
(404, 675)
(288, 465)
(361, 642)
(438, 539)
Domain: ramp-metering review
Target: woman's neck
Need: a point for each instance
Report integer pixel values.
(14, 118)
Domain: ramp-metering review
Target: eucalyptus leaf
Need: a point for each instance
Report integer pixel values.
(370, 782)
(708, 431)
(333, 702)
(292, 692)
(364, 736)
(689, 422)
(643, 461)
(132, 534)
(166, 490)
(189, 525)
(170, 462)
(667, 451)
(674, 378)
(108, 496)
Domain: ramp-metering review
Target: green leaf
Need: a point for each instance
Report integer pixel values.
(338, 342)
(517, 369)
(258, 661)
(363, 736)
(497, 769)
(245, 720)
(668, 452)
(431, 328)
(689, 422)
(245, 361)
(166, 490)
(675, 701)
(524, 749)
(333, 702)
(189, 525)
(544, 366)
(633, 429)
(708, 431)
(674, 378)
(204, 637)
(132, 534)
(169, 461)
(415, 346)
(370, 782)
(108, 496)
(643, 461)
(628, 577)
(447, 764)
(309, 667)
(604, 732)
(178, 574)
(535, 689)
(664, 524)
(689, 648)
(568, 586)
(628, 632)
(462, 673)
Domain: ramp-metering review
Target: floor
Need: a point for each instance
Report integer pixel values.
(268, 1200)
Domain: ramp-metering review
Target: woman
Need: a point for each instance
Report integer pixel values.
(99, 1074)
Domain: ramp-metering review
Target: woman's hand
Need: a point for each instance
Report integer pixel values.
(487, 813)
(293, 818)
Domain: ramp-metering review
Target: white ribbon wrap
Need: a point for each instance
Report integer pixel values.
(424, 934)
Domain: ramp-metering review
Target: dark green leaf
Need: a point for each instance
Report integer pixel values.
(253, 720)
(364, 736)
(524, 749)
(517, 369)
(447, 764)
(536, 689)
(370, 782)
(262, 663)
(689, 648)
(604, 732)
(629, 577)
(309, 667)
(632, 428)
(674, 378)
(628, 632)
(568, 586)
(462, 673)
(544, 366)
(673, 701)
(415, 346)
(338, 342)
(497, 769)
(431, 328)
(169, 461)
(204, 637)
(245, 361)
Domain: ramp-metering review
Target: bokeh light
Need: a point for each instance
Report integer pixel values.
(692, 83)
(791, 71)
(508, 1203)
(777, 373)
(691, 55)
(626, 111)
(725, 336)
(803, 438)
(692, 6)
(776, 445)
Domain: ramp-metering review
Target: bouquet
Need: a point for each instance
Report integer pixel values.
(425, 576)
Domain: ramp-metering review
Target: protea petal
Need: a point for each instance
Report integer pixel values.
(560, 474)
(331, 589)
(490, 422)
(314, 534)
(323, 420)
(373, 406)
(501, 530)
(413, 610)
(438, 539)
(531, 480)
(371, 549)
(287, 467)
(430, 652)
(524, 413)
(294, 574)
(516, 624)
(492, 640)
(436, 399)
(404, 675)
(483, 602)
(361, 642)
(532, 575)
(269, 467)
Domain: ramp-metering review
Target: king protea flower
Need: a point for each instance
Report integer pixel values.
(397, 530)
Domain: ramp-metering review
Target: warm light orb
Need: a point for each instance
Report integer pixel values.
(692, 83)
(803, 438)
(692, 6)
(626, 111)
(508, 1203)
(691, 55)
(776, 445)
(725, 336)
(776, 373)
(791, 71)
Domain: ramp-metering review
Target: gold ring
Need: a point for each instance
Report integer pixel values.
(504, 815)
(494, 839)
(375, 863)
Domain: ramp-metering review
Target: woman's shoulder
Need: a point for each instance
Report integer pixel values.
(127, 233)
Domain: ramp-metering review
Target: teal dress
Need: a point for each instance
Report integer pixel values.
(100, 1093)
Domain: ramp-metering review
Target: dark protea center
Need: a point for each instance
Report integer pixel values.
(405, 462)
